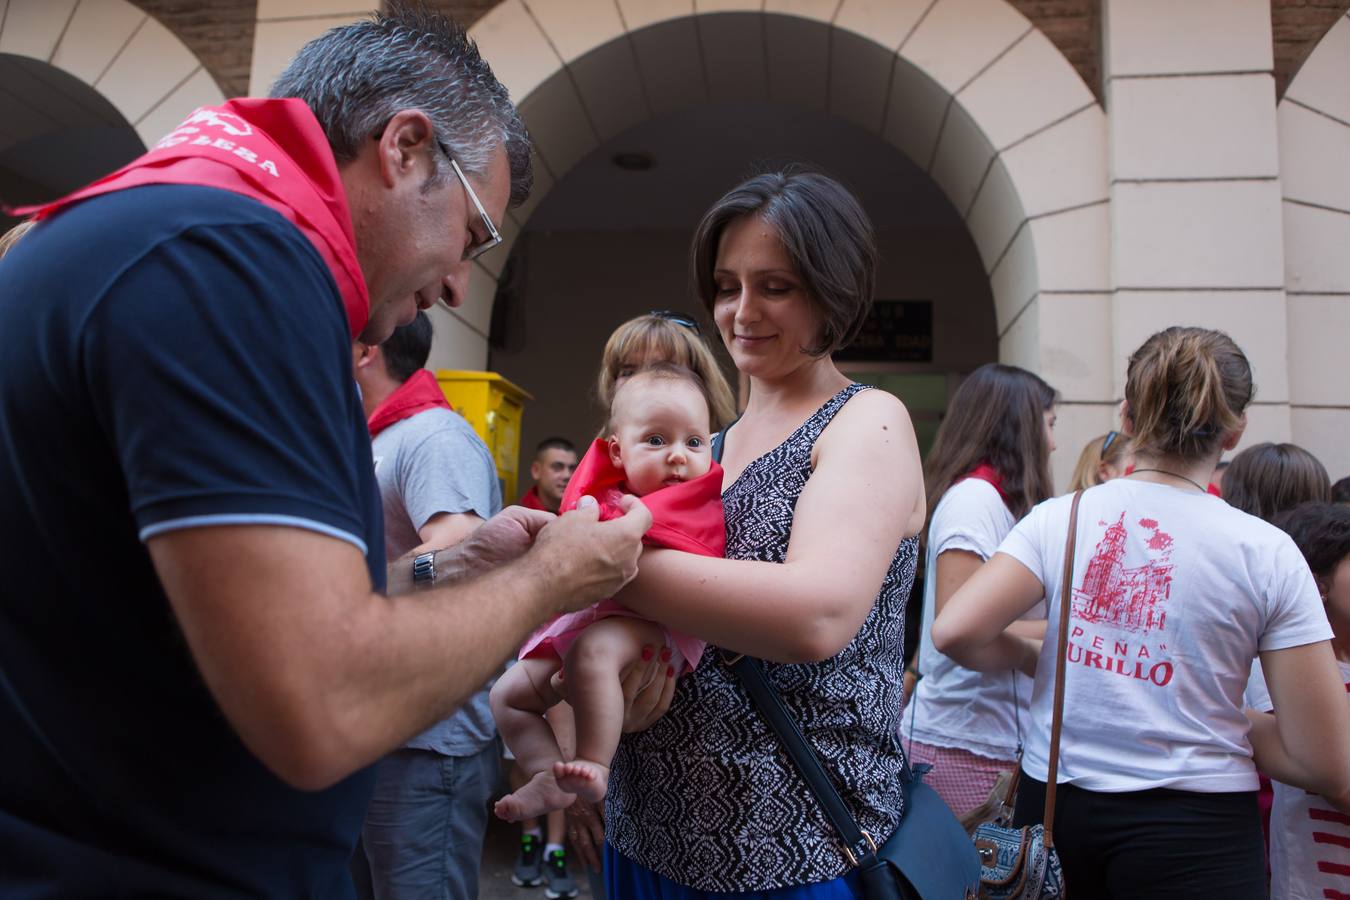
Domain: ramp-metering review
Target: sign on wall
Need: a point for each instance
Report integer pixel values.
(895, 331)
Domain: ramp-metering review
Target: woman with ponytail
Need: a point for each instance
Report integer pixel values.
(989, 465)
(1174, 592)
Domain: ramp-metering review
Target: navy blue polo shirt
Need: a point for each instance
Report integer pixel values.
(173, 356)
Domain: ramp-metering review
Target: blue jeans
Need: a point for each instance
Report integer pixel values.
(632, 881)
(424, 829)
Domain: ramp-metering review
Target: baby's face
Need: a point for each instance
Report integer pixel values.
(660, 434)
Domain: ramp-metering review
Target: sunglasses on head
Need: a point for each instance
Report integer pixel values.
(678, 318)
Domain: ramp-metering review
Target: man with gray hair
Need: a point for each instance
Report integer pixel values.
(201, 649)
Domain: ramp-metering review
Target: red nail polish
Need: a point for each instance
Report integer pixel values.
(665, 654)
(646, 653)
(670, 671)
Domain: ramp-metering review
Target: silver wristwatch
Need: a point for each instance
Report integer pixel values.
(424, 569)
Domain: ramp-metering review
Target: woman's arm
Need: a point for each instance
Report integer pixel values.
(1307, 742)
(953, 569)
(971, 629)
(850, 518)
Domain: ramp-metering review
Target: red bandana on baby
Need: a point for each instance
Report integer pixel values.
(686, 516)
(274, 151)
(418, 394)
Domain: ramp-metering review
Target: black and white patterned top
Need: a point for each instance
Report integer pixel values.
(707, 796)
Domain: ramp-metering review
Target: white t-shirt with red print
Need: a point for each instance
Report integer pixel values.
(1309, 839)
(955, 707)
(1174, 592)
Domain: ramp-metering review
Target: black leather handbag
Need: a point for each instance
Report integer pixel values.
(928, 857)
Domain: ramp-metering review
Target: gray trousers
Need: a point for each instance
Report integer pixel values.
(423, 833)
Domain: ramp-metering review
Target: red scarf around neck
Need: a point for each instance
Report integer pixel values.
(418, 394)
(274, 151)
(530, 500)
(986, 472)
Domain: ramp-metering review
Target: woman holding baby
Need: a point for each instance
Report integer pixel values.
(823, 496)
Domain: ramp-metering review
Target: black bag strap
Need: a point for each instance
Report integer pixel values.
(720, 439)
(859, 846)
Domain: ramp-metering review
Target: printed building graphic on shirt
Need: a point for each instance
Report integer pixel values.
(1131, 599)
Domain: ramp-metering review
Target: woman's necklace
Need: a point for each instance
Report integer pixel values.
(1198, 487)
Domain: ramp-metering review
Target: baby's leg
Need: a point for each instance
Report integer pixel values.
(519, 699)
(595, 666)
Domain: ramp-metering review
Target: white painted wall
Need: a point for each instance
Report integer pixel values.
(1196, 231)
(1314, 147)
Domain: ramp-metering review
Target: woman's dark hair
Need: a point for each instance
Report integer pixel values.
(1186, 388)
(1266, 479)
(1340, 491)
(826, 234)
(996, 417)
(1322, 533)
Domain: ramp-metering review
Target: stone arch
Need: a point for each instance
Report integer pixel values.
(968, 89)
(1314, 144)
(138, 65)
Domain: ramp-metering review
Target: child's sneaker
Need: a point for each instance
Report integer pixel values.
(560, 881)
(527, 872)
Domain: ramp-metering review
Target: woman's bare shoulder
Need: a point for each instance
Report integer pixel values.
(871, 410)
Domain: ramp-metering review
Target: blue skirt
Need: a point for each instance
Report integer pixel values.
(627, 880)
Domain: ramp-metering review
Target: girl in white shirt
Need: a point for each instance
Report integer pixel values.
(1173, 594)
(989, 465)
(1309, 839)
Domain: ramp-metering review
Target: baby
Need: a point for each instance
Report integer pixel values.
(658, 449)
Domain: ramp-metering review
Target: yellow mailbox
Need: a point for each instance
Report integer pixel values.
(494, 407)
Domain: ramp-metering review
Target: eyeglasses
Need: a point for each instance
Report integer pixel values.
(1110, 438)
(473, 251)
(678, 318)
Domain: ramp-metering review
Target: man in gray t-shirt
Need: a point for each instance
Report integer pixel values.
(423, 834)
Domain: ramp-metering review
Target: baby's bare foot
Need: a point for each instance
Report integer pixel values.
(588, 780)
(540, 796)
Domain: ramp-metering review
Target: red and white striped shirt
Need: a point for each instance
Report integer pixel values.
(1309, 840)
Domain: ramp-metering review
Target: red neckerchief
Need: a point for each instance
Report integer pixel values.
(986, 472)
(686, 516)
(418, 394)
(531, 500)
(274, 151)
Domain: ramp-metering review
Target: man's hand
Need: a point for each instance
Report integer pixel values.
(506, 536)
(586, 832)
(589, 559)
